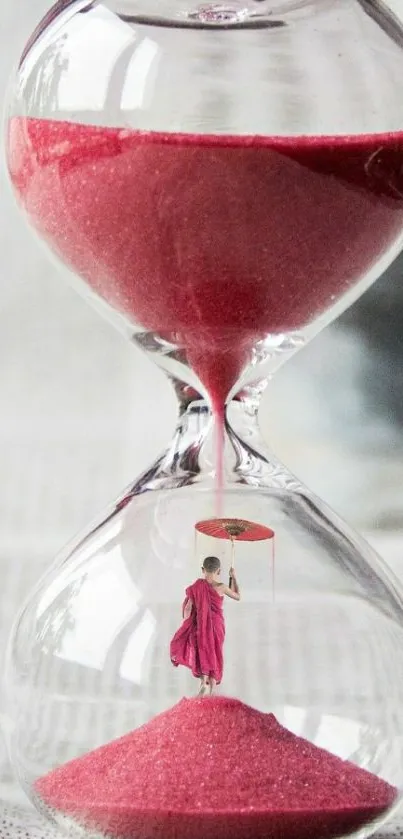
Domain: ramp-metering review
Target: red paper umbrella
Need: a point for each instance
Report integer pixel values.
(239, 530)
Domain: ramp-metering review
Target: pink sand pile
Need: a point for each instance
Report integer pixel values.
(215, 769)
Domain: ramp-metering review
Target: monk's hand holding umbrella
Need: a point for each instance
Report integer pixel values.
(233, 582)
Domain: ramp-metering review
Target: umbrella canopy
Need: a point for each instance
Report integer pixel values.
(239, 530)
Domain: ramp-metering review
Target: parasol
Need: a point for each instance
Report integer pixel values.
(236, 530)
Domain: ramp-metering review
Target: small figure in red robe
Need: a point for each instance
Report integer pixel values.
(198, 643)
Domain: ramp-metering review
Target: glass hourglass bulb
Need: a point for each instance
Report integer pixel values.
(225, 178)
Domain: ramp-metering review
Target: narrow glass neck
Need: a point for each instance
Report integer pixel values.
(193, 455)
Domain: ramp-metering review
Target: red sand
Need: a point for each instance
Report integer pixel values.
(213, 241)
(215, 769)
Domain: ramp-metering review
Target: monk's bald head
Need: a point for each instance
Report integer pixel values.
(211, 565)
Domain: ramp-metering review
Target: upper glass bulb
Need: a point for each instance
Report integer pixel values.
(227, 176)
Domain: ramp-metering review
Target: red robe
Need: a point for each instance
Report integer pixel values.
(198, 643)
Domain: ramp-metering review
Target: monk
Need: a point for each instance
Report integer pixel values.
(198, 643)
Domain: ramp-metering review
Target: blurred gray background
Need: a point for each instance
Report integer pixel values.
(78, 418)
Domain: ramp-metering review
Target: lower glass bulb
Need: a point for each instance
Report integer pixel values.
(304, 736)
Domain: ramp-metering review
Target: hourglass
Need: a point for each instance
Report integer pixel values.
(223, 179)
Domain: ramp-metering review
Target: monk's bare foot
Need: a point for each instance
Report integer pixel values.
(203, 689)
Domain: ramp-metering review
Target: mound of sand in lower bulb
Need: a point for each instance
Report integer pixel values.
(214, 769)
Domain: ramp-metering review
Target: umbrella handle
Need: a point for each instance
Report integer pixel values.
(232, 561)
